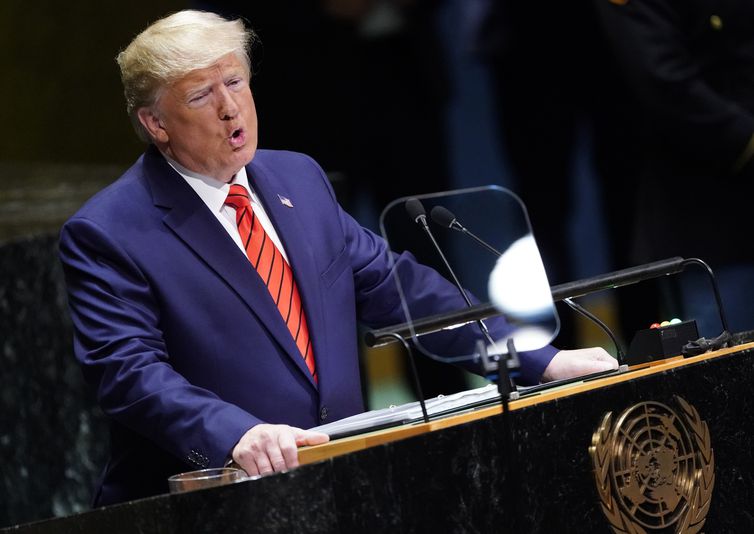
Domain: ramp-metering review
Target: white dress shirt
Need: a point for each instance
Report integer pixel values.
(214, 192)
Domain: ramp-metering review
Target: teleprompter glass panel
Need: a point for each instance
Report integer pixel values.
(485, 245)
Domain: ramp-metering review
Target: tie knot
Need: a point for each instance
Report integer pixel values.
(238, 197)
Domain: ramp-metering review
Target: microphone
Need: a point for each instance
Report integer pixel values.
(418, 214)
(444, 217)
(416, 211)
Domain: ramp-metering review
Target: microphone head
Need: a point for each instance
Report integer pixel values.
(443, 216)
(415, 209)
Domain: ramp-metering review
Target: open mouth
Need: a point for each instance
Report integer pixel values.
(237, 138)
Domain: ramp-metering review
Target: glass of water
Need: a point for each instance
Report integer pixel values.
(205, 478)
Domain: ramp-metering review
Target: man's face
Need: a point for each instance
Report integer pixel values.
(206, 121)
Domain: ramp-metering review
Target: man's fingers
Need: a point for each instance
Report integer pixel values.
(272, 448)
(288, 450)
(579, 362)
(604, 365)
(260, 449)
(603, 357)
(246, 460)
(590, 354)
(594, 359)
(273, 453)
(308, 437)
(250, 468)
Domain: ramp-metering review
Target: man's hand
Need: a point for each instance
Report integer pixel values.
(571, 363)
(269, 448)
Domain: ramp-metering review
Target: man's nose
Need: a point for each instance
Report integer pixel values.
(227, 108)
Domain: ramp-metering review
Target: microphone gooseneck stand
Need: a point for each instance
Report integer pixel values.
(445, 218)
(416, 211)
(506, 386)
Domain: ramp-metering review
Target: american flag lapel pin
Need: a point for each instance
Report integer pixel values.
(285, 201)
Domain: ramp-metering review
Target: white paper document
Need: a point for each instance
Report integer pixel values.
(409, 412)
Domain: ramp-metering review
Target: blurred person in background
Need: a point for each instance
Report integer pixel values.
(689, 69)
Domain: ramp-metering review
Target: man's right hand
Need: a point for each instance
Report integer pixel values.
(270, 448)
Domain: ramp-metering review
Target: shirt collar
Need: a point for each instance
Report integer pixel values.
(211, 190)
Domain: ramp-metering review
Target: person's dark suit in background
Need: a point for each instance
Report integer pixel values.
(689, 66)
(547, 95)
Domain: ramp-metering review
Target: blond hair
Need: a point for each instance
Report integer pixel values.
(171, 48)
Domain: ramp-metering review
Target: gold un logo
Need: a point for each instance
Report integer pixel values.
(654, 469)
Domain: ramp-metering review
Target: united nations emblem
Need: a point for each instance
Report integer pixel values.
(654, 468)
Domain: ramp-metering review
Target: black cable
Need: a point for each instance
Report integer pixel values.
(620, 355)
(702, 345)
(715, 289)
(414, 373)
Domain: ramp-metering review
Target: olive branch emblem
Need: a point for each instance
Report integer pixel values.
(694, 491)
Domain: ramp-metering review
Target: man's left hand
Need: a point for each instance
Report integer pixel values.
(572, 363)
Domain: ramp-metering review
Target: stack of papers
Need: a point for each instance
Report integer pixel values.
(409, 412)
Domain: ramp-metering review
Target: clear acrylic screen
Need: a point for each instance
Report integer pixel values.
(512, 278)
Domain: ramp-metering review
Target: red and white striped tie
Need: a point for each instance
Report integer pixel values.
(274, 271)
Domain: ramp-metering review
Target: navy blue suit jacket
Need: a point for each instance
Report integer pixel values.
(180, 337)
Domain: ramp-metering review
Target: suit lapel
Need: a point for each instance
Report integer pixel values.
(298, 247)
(190, 219)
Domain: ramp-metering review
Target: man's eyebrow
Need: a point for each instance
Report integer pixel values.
(196, 90)
(235, 72)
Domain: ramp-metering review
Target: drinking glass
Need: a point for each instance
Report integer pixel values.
(205, 478)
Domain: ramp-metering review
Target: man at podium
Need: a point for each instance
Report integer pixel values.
(215, 288)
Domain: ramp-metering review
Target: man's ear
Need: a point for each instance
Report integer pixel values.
(153, 125)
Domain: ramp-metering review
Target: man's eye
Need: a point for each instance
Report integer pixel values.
(235, 82)
(197, 98)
